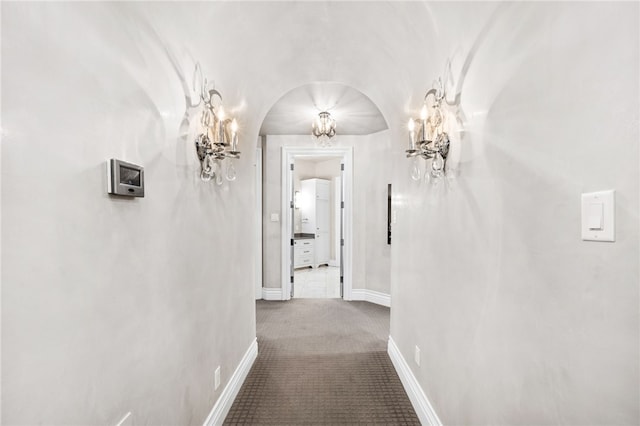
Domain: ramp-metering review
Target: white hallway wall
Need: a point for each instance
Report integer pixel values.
(527, 333)
(518, 320)
(112, 305)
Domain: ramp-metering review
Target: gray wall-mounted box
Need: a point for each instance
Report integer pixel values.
(125, 178)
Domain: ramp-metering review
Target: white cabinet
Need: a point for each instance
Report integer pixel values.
(315, 215)
(303, 253)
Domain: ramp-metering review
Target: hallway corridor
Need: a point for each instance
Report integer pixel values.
(322, 361)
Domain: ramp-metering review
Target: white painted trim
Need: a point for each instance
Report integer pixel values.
(286, 181)
(1, 316)
(336, 188)
(288, 155)
(127, 420)
(371, 296)
(258, 221)
(419, 400)
(228, 395)
(272, 293)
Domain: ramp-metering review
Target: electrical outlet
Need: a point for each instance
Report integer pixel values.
(416, 356)
(217, 379)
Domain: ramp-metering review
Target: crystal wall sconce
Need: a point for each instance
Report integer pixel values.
(429, 135)
(217, 139)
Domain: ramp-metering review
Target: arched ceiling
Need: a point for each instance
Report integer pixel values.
(259, 52)
(354, 112)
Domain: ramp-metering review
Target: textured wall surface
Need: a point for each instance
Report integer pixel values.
(518, 320)
(112, 305)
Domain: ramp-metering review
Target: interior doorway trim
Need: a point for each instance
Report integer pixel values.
(289, 153)
(258, 236)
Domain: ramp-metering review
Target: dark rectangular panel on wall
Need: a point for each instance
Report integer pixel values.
(389, 214)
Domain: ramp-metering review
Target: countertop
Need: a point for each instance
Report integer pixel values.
(303, 236)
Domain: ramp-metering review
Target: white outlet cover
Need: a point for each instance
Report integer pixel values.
(416, 356)
(127, 420)
(596, 203)
(217, 378)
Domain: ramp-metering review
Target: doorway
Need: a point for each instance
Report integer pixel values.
(317, 227)
(331, 262)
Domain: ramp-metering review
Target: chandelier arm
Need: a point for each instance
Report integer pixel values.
(197, 74)
(213, 92)
(433, 92)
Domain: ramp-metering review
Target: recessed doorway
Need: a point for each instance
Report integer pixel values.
(286, 137)
(316, 229)
(317, 221)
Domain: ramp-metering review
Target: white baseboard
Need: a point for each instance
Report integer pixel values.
(419, 400)
(228, 395)
(371, 296)
(271, 293)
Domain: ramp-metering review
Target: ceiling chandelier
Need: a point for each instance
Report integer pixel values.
(429, 135)
(324, 128)
(217, 138)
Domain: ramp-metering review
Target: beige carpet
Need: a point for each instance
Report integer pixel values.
(322, 361)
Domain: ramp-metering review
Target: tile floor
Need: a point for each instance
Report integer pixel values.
(320, 283)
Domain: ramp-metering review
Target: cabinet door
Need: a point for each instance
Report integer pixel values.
(322, 242)
(322, 190)
(308, 206)
(303, 253)
(321, 248)
(322, 216)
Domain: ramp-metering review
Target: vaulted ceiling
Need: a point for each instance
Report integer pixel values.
(282, 62)
(354, 112)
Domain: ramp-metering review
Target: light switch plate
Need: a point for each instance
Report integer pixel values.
(596, 213)
(591, 207)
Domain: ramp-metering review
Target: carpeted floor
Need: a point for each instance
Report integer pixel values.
(322, 361)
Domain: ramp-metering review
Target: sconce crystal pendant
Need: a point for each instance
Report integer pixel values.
(429, 135)
(324, 128)
(218, 138)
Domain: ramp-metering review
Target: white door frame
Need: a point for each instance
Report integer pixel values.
(288, 155)
(336, 212)
(258, 224)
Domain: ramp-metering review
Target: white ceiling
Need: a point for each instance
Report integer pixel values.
(261, 53)
(293, 113)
